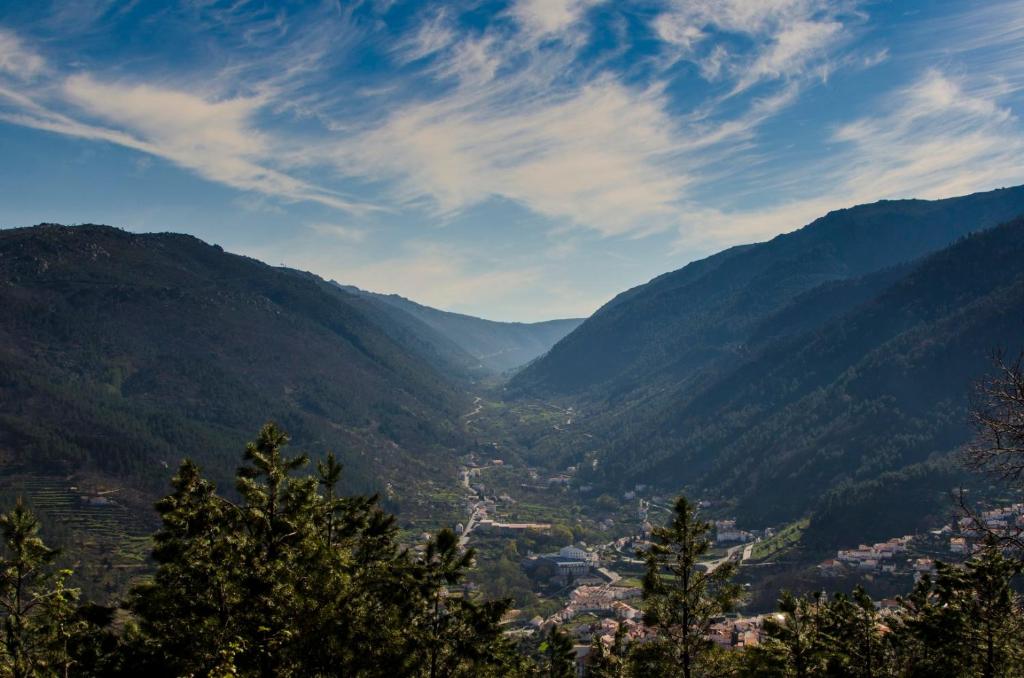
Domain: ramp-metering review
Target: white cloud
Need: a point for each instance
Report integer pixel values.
(711, 66)
(348, 234)
(184, 122)
(938, 138)
(546, 18)
(749, 17)
(216, 139)
(872, 60)
(596, 157)
(790, 52)
(790, 37)
(678, 30)
(18, 60)
(941, 136)
(432, 36)
(574, 144)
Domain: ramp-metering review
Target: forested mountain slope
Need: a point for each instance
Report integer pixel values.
(120, 353)
(494, 346)
(878, 388)
(666, 331)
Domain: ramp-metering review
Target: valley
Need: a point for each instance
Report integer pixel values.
(812, 403)
(512, 339)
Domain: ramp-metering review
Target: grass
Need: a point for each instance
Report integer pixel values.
(780, 542)
(628, 582)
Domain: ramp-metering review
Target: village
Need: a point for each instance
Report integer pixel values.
(916, 554)
(598, 584)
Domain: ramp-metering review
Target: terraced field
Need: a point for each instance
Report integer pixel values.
(105, 541)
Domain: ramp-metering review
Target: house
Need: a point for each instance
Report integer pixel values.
(958, 545)
(726, 531)
(572, 553)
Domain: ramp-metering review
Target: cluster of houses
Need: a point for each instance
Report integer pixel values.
(732, 634)
(735, 634)
(1007, 520)
(962, 537)
(603, 600)
(880, 557)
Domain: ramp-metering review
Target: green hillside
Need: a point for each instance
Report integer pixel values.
(122, 353)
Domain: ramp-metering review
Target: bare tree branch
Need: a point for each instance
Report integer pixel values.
(997, 412)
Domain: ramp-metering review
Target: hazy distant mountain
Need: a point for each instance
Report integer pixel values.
(122, 352)
(494, 346)
(669, 329)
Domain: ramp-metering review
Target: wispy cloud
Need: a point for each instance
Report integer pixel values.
(16, 59)
(349, 234)
(545, 18)
(571, 141)
(940, 136)
(217, 139)
(579, 146)
(792, 39)
(433, 35)
(594, 157)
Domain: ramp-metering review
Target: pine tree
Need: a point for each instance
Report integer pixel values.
(189, 614)
(294, 580)
(681, 598)
(967, 622)
(609, 661)
(793, 646)
(852, 631)
(37, 607)
(558, 654)
(453, 635)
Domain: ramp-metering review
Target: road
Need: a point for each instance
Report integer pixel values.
(470, 524)
(474, 512)
(730, 552)
(477, 406)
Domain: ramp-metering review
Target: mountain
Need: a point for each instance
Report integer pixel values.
(873, 390)
(492, 347)
(665, 332)
(121, 353)
(825, 373)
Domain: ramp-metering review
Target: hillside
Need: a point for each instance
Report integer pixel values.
(874, 397)
(667, 331)
(122, 353)
(494, 347)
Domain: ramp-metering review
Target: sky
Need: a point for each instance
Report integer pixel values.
(518, 160)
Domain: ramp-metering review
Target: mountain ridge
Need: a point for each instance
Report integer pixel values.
(123, 352)
(680, 321)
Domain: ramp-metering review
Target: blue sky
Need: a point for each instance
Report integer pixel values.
(517, 160)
